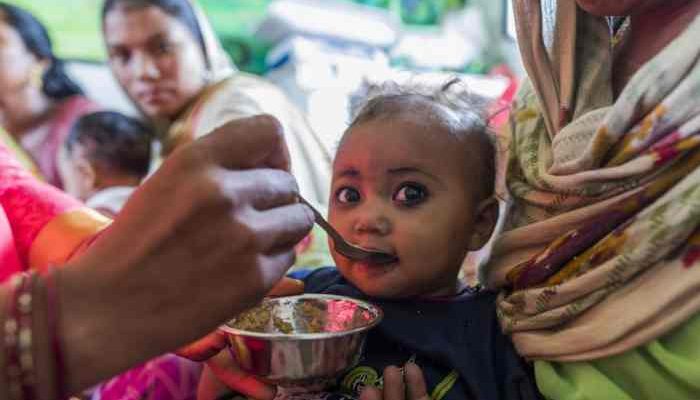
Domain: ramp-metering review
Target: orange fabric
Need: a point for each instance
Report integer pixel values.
(65, 236)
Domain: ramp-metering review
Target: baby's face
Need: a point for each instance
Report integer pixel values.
(402, 187)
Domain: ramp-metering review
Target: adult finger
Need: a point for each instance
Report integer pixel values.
(287, 287)
(415, 382)
(250, 142)
(394, 387)
(273, 268)
(261, 188)
(281, 228)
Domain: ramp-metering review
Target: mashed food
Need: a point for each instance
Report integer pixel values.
(305, 316)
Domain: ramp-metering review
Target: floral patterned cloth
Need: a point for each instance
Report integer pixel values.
(604, 221)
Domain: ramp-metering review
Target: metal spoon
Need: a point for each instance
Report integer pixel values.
(344, 247)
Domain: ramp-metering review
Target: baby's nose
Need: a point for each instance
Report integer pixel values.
(374, 224)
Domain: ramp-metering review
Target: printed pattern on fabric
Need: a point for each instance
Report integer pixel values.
(619, 185)
(168, 377)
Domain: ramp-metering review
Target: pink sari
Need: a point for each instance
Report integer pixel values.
(167, 377)
(39, 224)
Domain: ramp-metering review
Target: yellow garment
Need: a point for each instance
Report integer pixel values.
(65, 236)
(20, 155)
(243, 95)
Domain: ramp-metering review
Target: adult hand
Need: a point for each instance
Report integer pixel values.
(221, 371)
(207, 236)
(213, 343)
(414, 387)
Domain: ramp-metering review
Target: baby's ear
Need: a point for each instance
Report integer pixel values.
(87, 172)
(485, 219)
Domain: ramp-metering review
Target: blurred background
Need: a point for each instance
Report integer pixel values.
(320, 51)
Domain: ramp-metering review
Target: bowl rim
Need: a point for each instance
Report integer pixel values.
(310, 336)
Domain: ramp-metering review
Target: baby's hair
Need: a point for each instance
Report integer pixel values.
(117, 141)
(464, 114)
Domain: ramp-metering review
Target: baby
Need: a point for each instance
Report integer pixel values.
(104, 159)
(414, 177)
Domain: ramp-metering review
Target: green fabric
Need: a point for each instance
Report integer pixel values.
(666, 368)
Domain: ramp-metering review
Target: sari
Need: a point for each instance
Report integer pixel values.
(598, 261)
(40, 226)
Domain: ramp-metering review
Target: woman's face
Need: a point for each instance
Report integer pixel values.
(619, 7)
(17, 65)
(155, 58)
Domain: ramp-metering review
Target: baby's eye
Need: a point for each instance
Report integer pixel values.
(347, 195)
(411, 194)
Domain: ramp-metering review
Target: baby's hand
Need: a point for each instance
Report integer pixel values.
(414, 387)
(226, 371)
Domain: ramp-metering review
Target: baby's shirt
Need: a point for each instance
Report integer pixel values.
(109, 201)
(457, 342)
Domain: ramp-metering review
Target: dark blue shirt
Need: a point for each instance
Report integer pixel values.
(457, 342)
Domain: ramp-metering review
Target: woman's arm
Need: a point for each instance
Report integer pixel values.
(201, 240)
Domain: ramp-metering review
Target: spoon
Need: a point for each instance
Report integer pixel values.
(347, 249)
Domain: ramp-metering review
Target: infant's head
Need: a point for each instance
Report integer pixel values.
(414, 176)
(104, 149)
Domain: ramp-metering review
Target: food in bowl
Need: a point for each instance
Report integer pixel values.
(302, 338)
(304, 315)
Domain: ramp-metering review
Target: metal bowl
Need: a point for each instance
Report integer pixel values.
(301, 340)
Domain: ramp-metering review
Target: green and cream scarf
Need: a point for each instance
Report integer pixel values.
(601, 247)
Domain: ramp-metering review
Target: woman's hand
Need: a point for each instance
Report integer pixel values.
(210, 345)
(414, 387)
(207, 236)
(221, 372)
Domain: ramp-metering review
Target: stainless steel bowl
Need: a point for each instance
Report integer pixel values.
(301, 340)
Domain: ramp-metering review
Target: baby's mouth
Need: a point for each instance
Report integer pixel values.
(382, 258)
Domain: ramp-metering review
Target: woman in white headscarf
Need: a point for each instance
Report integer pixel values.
(168, 60)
